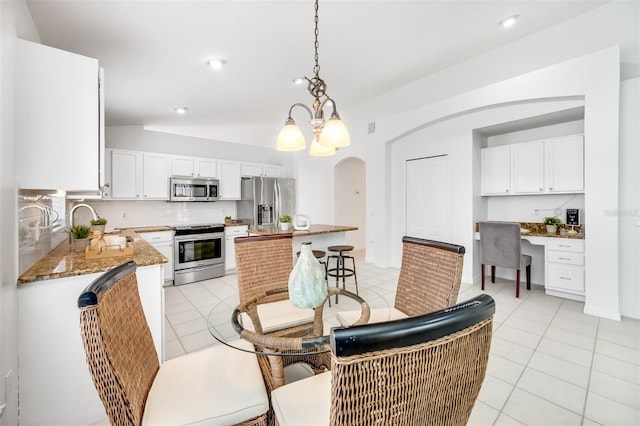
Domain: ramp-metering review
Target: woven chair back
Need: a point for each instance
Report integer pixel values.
(433, 379)
(263, 264)
(430, 276)
(118, 345)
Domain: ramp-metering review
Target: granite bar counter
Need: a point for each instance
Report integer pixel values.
(313, 230)
(320, 236)
(62, 263)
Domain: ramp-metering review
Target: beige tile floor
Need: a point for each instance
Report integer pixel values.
(549, 365)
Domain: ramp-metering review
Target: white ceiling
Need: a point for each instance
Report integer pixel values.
(154, 52)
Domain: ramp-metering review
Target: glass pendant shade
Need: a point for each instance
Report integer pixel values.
(335, 134)
(318, 150)
(290, 138)
(307, 287)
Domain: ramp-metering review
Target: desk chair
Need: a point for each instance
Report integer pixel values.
(423, 370)
(501, 245)
(429, 280)
(215, 386)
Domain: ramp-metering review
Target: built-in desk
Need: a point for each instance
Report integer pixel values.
(563, 259)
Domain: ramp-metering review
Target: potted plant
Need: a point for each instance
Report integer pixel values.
(227, 220)
(285, 222)
(98, 224)
(552, 223)
(80, 237)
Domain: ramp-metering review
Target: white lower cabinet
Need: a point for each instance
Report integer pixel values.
(230, 234)
(163, 242)
(565, 268)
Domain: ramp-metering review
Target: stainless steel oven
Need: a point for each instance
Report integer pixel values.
(199, 253)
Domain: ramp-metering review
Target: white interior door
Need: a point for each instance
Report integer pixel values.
(429, 198)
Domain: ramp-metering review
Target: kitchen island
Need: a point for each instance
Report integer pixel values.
(320, 236)
(55, 384)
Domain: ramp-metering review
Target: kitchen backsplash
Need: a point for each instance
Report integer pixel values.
(123, 214)
(41, 224)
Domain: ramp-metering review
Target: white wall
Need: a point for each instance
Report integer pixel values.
(15, 21)
(455, 138)
(138, 139)
(350, 199)
(629, 208)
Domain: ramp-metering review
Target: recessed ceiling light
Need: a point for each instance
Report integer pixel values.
(298, 80)
(181, 110)
(509, 22)
(217, 63)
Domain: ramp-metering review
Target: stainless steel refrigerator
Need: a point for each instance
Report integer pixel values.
(264, 199)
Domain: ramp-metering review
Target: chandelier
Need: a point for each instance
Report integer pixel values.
(327, 135)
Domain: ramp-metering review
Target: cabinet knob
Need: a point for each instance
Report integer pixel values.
(506, 190)
(145, 195)
(541, 189)
(551, 188)
(137, 195)
(108, 185)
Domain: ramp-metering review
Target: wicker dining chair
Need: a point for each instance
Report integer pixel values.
(215, 386)
(429, 280)
(263, 265)
(422, 370)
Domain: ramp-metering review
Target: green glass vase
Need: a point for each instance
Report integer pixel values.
(307, 287)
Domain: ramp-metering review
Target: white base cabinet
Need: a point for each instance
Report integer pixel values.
(230, 234)
(565, 268)
(163, 242)
(55, 384)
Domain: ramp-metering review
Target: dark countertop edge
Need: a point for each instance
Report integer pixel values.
(39, 272)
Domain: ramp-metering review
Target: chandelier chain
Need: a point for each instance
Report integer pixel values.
(316, 69)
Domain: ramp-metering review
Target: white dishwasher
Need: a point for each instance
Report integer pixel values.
(163, 242)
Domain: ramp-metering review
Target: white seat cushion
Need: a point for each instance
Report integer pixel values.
(278, 315)
(303, 403)
(215, 386)
(347, 318)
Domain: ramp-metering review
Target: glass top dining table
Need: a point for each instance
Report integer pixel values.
(229, 323)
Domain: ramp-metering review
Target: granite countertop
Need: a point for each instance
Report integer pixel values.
(538, 229)
(62, 263)
(313, 230)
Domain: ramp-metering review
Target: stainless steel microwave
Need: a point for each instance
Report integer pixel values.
(185, 188)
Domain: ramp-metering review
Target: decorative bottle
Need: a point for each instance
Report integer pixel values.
(307, 287)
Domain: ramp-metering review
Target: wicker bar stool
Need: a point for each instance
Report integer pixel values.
(320, 254)
(340, 270)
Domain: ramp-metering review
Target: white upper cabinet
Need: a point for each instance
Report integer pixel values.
(551, 166)
(528, 167)
(139, 175)
(565, 164)
(230, 180)
(182, 165)
(496, 170)
(59, 131)
(258, 169)
(126, 174)
(155, 176)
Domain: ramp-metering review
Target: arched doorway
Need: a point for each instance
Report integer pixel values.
(349, 200)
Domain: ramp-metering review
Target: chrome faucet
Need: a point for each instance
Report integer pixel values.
(74, 208)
